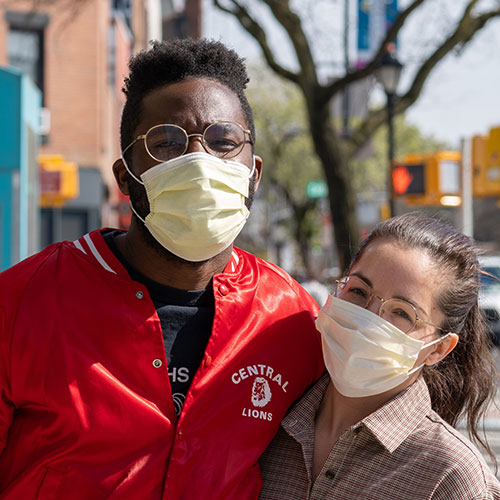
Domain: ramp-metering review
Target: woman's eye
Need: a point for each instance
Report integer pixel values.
(358, 291)
(402, 314)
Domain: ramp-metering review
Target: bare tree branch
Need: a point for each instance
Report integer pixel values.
(367, 70)
(254, 29)
(467, 27)
(293, 26)
(463, 34)
(333, 150)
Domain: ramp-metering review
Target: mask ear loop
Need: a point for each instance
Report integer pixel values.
(130, 171)
(135, 212)
(140, 182)
(440, 339)
(253, 167)
(250, 179)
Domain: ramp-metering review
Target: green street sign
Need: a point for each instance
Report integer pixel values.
(317, 189)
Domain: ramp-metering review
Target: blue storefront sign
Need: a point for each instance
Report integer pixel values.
(20, 102)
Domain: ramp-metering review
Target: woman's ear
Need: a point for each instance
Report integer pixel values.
(441, 349)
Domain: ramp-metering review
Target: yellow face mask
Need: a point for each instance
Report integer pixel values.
(365, 354)
(197, 204)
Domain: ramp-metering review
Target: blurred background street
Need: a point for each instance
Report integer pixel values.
(363, 110)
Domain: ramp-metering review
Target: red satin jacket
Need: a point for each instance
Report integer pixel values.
(86, 410)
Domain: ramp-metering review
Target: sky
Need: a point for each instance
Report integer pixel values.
(460, 99)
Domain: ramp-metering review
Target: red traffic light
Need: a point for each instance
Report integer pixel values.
(408, 179)
(401, 179)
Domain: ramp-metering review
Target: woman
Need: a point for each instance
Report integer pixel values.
(407, 356)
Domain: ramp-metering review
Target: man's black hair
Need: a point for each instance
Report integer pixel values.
(174, 61)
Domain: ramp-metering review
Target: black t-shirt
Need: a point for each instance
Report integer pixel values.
(186, 318)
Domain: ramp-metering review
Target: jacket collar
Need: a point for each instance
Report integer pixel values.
(94, 247)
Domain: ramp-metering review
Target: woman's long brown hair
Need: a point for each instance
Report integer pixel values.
(463, 384)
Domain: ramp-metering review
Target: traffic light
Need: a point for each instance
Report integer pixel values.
(58, 180)
(486, 163)
(408, 179)
(427, 179)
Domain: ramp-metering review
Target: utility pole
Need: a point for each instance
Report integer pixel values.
(467, 203)
(345, 95)
(390, 149)
(388, 74)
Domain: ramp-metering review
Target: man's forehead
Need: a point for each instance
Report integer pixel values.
(198, 99)
(194, 90)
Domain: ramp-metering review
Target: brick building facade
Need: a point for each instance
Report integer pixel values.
(77, 52)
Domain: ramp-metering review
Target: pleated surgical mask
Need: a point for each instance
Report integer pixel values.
(365, 354)
(197, 203)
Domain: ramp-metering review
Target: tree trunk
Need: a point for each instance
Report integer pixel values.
(302, 238)
(342, 202)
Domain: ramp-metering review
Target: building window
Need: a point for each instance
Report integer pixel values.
(125, 8)
(122, 5)
(112, 54)
(25, 43)
(25, 52)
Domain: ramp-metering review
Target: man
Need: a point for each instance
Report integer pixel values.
(157, 362)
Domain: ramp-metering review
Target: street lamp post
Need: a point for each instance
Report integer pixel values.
(388, 75)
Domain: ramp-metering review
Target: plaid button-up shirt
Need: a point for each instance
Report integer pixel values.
(402, 451)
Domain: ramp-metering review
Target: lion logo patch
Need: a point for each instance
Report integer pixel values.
(261, 392)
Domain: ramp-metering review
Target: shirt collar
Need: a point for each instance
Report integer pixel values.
(390, 425)
(397, 419)
(301, 416)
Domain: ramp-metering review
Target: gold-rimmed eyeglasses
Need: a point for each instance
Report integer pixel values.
(398, 312)
(167, 141)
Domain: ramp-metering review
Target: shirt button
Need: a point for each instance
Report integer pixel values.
(139, 294)
(208, 361)
(330, 474)
(223, 290)
(357, 430)
(180, 435)
(157, 363)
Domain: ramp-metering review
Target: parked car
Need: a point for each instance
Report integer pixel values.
(489, 296)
